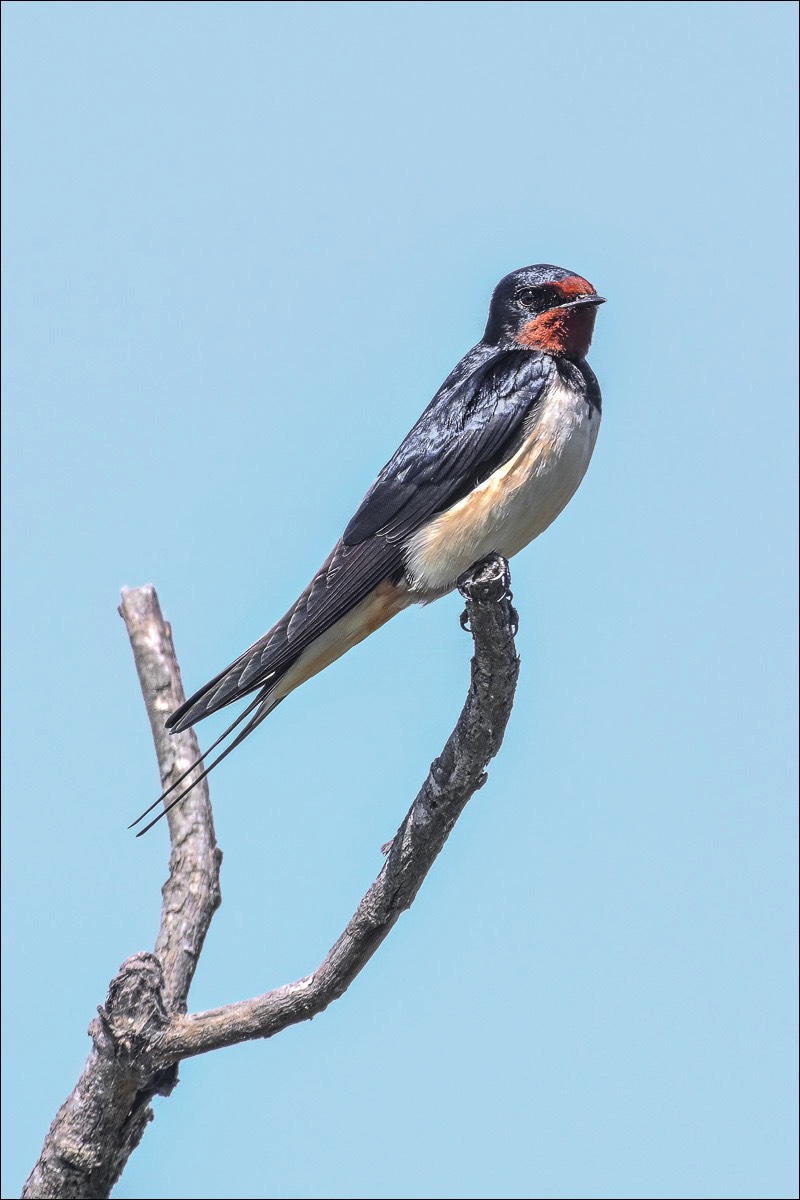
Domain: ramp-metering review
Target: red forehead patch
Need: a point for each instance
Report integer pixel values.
(574, 285)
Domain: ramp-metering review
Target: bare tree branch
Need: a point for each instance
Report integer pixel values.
(142, 1031)
(454, 777)
(103, 1119)
(191, 894)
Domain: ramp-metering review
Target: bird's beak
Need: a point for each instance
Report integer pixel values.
(581, 300)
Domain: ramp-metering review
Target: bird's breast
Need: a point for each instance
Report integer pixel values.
(517, 502)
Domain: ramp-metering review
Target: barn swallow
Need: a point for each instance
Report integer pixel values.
(492, 461)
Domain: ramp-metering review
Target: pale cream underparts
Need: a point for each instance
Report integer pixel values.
(515, 504)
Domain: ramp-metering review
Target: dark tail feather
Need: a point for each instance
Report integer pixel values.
(197, 761)
(201, 704)
(237, 741)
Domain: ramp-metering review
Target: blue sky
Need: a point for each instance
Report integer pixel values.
(244, 244)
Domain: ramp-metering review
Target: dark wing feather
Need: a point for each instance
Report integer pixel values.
(473, 424)
(346, 577)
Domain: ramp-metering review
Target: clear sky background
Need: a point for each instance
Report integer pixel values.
(244, 245)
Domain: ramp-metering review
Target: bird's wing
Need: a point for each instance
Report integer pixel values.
(472, 425)
(469, 429)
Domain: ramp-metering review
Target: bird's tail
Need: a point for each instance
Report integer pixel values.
(264, 704)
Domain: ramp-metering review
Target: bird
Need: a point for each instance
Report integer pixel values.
(495, 457)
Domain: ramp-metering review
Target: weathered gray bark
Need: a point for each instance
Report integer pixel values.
(143, 1031)
(191, 895)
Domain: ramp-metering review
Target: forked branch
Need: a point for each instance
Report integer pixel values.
(143, 1030)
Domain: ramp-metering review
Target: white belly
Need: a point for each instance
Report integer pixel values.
(514, 505)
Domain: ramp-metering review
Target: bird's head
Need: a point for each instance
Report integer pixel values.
(543, 308)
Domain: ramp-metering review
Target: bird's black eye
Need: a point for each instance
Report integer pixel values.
(540, 299)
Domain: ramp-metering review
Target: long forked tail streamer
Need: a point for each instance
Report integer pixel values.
(196, 763)
(249, 727)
